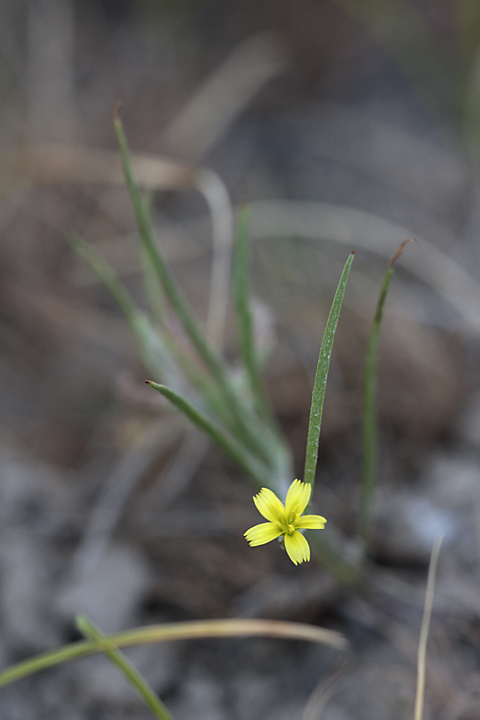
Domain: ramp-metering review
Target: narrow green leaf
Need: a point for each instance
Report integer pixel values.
(174, 631)
(139, 684)
(369, 421)
(245, 327)
(154, 352)
(240, 416)
(227, 443)
(318, 395)
(153, 290)
(172, 290)
(159, 350)
(152, 286)
(104, 271)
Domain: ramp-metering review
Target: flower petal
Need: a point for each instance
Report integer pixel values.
(312, 522)
(268, 505)
(297, 548)
(263, 533)
(297, 497)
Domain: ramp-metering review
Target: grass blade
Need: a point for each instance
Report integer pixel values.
(241, 295)
(104, 271)
(160, 352)
(175, 631)
(369, 420)
(280, 457)
(240, 416)
(318, 395)
(139, 684)
(167, 280)
(230, 446)
(155, 354)
(153, 290)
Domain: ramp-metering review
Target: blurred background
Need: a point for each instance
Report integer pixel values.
(345, 124)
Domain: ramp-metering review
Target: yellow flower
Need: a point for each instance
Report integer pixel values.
(286, 521)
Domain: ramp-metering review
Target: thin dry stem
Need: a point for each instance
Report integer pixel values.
(427, 614)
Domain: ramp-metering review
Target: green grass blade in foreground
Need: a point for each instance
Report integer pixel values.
(318, 395)
(241, 422)
(139, 684)
(230, 446)
(369, 420)
(175, 631)
(246, 335)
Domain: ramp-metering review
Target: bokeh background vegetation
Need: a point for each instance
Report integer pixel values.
(345, 125)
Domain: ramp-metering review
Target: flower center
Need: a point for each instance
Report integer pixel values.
(293, 516)
(288, 523)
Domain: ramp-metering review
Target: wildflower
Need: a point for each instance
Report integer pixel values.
(286, 521)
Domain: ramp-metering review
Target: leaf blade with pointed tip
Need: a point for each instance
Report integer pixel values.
(369, 397)
(227, 443)
(318, 394)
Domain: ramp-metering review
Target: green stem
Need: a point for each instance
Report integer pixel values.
(139, 684)
(174, 631)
